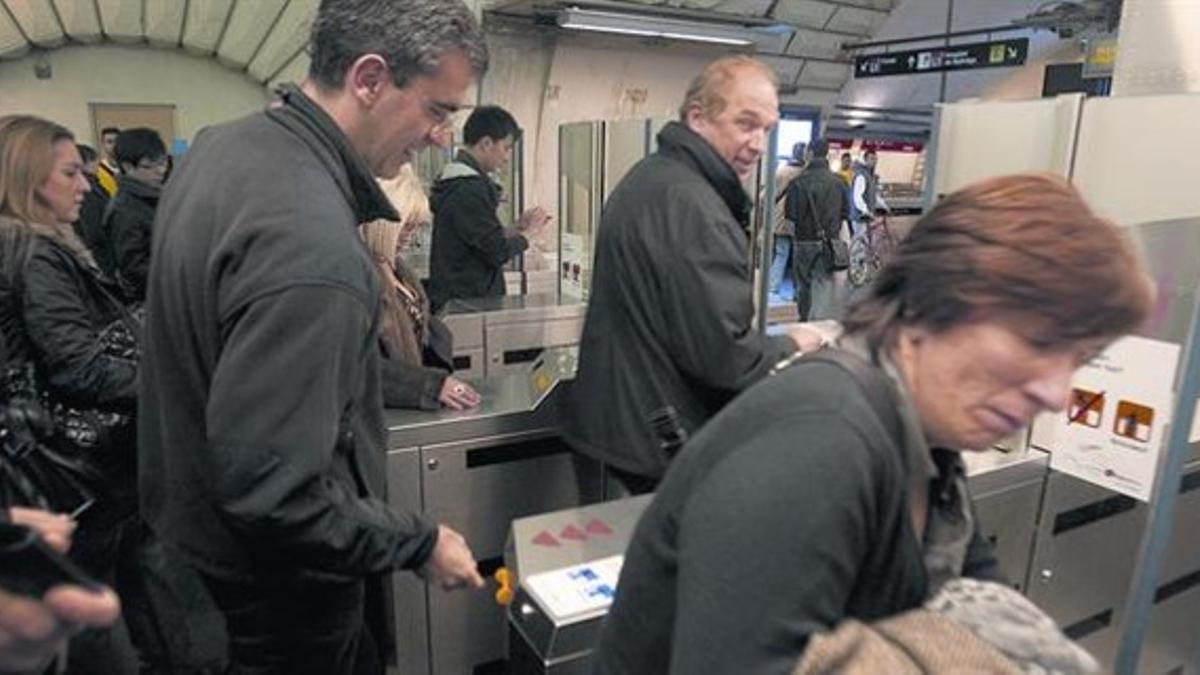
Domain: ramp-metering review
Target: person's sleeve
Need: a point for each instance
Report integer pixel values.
(291, 364)
(770, 547)
(409, 385)
(792, 202)
(709, 310)
(64, 332)
(481, 230)
(131, 248)
(859, 195)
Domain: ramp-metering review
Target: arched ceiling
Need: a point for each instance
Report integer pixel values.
(266, 38)
(263, 38)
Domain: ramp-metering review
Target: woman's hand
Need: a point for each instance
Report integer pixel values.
(54, 528)
(458, 395)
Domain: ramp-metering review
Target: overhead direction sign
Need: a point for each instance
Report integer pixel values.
(995, 54)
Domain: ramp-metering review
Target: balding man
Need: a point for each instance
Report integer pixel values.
(668, 338)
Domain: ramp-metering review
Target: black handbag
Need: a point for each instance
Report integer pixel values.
(39, 466)
(836, 250)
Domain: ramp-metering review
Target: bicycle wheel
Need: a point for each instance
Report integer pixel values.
(883, 243)
(862, 262)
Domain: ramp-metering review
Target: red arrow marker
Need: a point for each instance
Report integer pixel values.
(572, 532)
(597, 526)
(544, 538)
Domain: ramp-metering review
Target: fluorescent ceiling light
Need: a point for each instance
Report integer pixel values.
(644, 25)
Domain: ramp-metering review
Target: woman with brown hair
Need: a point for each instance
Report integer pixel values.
(834, 491)
(58, 314)
(416, 346)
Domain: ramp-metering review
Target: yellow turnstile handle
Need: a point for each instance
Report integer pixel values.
(504, 593)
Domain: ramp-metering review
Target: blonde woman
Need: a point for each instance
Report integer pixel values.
(416, 346)
(55, 312)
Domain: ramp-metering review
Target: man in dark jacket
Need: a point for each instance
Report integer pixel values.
(95, 201)
(130, 215)
(470, 246)
(668, 338)
(816, 203)
(263, 438)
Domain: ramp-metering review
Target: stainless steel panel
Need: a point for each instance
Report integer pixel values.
(510, 344)
(1171, 641)
(1085, 570)
(1008, 518)
(466, 327)
(409, 603)
(1082, 574)
(472, 361)
(478, 488)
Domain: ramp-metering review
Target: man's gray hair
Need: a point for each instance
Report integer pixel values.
(411, 35)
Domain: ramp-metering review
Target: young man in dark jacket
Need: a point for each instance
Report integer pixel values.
(816, 202)
(470, 246)
(129, 218)
(668, 338)
(263, 440)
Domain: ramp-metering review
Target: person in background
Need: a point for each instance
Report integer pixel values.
(56, 310)
(107, 170)
(417, 347)
(263, 438)
(846, 168)
(470, 247)
(89, 227)
(129, 218)
(816, 203)
(835, 490)
(668, 337)
(33, 631)
(865, 198)
(785, 229)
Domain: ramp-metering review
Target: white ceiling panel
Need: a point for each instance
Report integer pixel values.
(883, 5)
(12, 43)
(204, 24)
(756, 8)
(810, 97)
(289, 37)
(295, 71)
(80, 19)
(37, 20)
(164, 21)
(824, 75)
(860, 21)
(247, 28)
(786, 69)
(816, 44)
(804, 12)
(121, 20)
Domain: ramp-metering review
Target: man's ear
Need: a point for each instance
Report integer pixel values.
(367, 78)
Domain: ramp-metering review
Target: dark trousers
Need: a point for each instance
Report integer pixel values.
(808, 262)
(296, 629)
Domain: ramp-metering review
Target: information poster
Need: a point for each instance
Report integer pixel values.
(572, 266)
(1114, 428)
